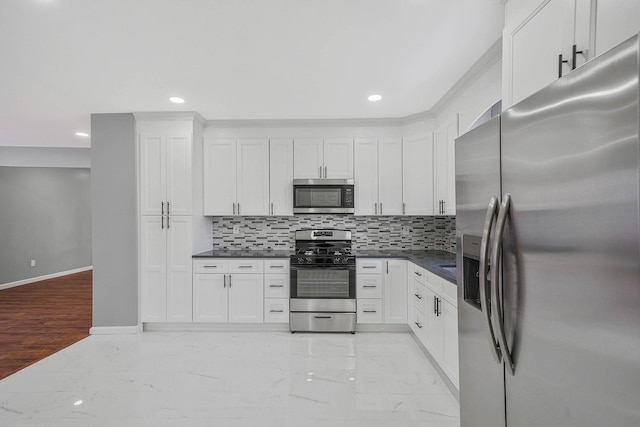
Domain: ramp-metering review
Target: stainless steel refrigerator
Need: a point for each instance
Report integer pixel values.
(548, 241)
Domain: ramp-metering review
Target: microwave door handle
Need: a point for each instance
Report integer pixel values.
(489, 221)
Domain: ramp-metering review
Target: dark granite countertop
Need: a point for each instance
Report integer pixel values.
(244, 253)
(430, 260)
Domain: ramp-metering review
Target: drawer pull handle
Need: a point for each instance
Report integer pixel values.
(419, 325)
(368, 266)
(276, 266)
(210, 266)
(418, 273)
(276, 286)
(369, 286)
(245, 266)
(369, 311)
(418, 296)
(276, 311)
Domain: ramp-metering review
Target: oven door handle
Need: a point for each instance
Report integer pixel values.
(323, 267)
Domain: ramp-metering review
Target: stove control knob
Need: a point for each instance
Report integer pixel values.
(336, 260)
(300, 260)
(345, 260)
(309, 260)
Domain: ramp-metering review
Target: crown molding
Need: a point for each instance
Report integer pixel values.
(303, 123)
(492, 56)
(418, 117)
(170, 116)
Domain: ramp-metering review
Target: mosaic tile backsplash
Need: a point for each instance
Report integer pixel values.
(369, 232)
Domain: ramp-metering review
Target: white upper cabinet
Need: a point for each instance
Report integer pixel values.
(417, 180)
(378, 176)
(281, 176)
(236, 176)
(165, 173)
(546, 39)
(315, 158)
(252, 177)
(338, 158)
(616, 21)
(444, 167)
(219, 176)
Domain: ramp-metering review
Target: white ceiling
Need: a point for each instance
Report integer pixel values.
(230, 59)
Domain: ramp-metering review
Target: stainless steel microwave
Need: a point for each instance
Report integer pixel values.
(323, 196)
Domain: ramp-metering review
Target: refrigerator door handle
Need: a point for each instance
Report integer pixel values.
(496, 302)
(492, 211)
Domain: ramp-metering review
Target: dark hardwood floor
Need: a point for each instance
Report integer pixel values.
(41, 318)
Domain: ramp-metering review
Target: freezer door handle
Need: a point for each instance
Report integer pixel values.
(496, 254)
(489, 221)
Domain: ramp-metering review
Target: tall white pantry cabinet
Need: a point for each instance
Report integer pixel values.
(165, 206)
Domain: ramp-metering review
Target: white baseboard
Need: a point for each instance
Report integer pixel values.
(115, 330)
(45, 277)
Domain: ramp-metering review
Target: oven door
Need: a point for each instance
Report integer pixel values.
(327, 282)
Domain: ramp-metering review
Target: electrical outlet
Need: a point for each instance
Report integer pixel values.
(33, 263)
(406, 230)
(236, 228)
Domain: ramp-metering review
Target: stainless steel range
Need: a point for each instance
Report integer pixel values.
(323, 282)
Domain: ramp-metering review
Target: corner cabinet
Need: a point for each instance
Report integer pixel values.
(236, 176)
(381, 291)
(417, 175)
(378, 176)
(317, 158)
(165, 222)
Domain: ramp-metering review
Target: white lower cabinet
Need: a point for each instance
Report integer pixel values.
(228, 291)
(276, 291)
(434, 317)
(165, 263)
(381, 291)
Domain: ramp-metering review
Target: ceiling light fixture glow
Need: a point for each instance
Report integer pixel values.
(78, 402)
(374, 98)
(176, 100)
(82, 134)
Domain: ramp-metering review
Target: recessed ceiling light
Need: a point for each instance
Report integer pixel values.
(176, 100)
(82, 134)
(374, 98)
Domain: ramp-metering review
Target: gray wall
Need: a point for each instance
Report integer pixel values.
(56, 157)
(45, 215)
(114, 219)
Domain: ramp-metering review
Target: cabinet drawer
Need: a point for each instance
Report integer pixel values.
(369, 266)
(369, 286)
(276, 285)
(276, 266)
(419, 274)
(210, 266)
(276, 310)
(369, 311)
(246, 266)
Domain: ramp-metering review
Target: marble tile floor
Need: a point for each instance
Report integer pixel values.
(231, 379)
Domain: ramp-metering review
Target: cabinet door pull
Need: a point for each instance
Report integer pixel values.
(369, 286)
(439, 307)
(418, 273)
(574, 54)
(380, 208)
(387, 267)
(209, 266)
(560, 62)
(435, 305)
(325, 171)
(368, 266)
(276, 286)
(234, 208)
(224, 285)
(375, 208)
(168, 208)
(419, 325)
(276, 266)
(245, 266)
(418, 296)
(162, 222)
(162, 207)
(320, 170)
(271, 208)
(444, 207)
(369, 311)
(404, 208)
(229, 280)
(238, 208)
(276, 311)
